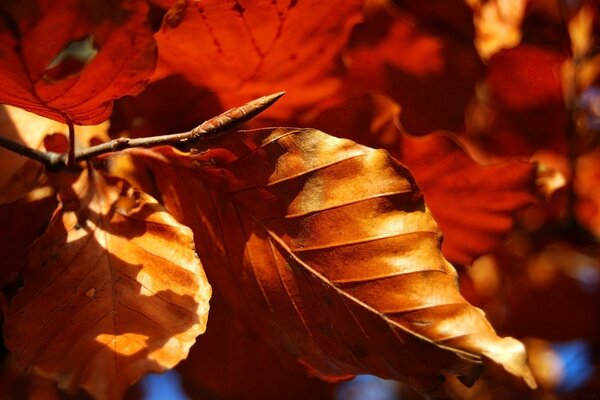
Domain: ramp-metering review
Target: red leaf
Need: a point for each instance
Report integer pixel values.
(520, 107)
(474, 205)
(70, 60)
(428, 71)
(22, 222)
(244, 49)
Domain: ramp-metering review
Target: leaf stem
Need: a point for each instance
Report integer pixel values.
(213, 127)
(71, 156)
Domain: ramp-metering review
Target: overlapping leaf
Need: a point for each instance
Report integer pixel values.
(230, 361)
(112, 290)
(474, 205)
(329, 245)
(419, 64)
(70, 60)
(244, 49)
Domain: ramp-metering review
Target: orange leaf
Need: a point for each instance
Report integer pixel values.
(112, 290)
(417, 64)
(243, 49)
(331, 247)
(475, 205)
(69, 60)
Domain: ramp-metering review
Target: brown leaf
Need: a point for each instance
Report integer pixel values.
(19, 175)
(112, 290)
(230, 361)
(71, 60)
(169, 105)
(244, 49)
(22, 222)
(474, 205)
(328, 246)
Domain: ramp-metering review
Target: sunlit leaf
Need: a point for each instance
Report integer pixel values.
(475, 205)
(111, 291)
(330, 248)
(497, 24)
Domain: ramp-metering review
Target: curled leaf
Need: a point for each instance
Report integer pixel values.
(70, 60)
(112, 290)
(331, 248)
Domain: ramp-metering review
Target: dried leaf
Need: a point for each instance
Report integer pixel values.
(330, 247)
(71, 60)
(19, 175)
(112, 290)
(231, 362)
(474, 205)
(244, 49)
(22, 222)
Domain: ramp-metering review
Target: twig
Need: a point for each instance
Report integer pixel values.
(48, 158)
(71, 154)
(213, 127)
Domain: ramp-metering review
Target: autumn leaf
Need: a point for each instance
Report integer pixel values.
(475, 205)
(230, 361)
(244, 49)
(16, 236)
(519, 107)
(172, 104)
(418, 64)
(454, 183)
(70, 60)
(19, 175)
(329, 247)
(112, 290)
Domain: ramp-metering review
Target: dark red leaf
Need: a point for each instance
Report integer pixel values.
(70, 60)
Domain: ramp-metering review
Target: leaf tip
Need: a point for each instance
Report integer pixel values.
(511, 354)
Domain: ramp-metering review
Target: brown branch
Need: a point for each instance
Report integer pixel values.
(71, 154)
(49, 159)
(213, 127)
